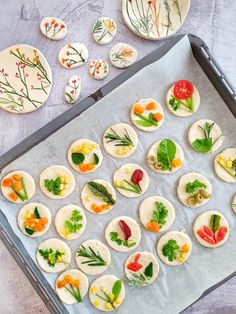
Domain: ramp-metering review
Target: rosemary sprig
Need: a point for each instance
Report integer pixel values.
(136, 280)
(124, 140)
(93, 259)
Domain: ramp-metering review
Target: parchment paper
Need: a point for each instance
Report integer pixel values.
(176, 287)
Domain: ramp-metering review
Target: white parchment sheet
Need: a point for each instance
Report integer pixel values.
(176, 287)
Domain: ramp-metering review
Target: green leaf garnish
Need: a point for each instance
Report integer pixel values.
(166, 153)
(99, 190)
(215, 223)
(116, 289)
(93, 258)
(149, 270)
(29, 231)
(36, 213)
(186, 105)
(77, 158)
(51, 256)
(170, 250)
(160, 213)
(53, 186)
(95, 159)
(192, 187)
(114, 238)
(146, 121)
(73, 225)
(137, 280)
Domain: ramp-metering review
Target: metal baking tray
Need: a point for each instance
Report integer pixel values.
(217, 77)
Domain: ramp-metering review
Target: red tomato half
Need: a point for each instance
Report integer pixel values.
(183, 89)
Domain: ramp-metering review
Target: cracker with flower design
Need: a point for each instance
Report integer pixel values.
(53, 28)
(25, 79)
(104, 30)
(123, 55)
(72, 90)
(98, 69)
(73, 55)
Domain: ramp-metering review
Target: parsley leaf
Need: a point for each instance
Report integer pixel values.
(170, 250)
(73, 225)
(53, 186)
(51, 256)
(192, 187)
(160, 213)
(114, 238)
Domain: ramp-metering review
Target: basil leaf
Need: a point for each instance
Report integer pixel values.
(36, 213)
(202, 146)
(166, 153)
(145, 124)
(149, 270)
(95, 159)
(29, 231)
(77, 158)
(116, 289)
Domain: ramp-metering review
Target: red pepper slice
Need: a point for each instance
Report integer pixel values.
(220, 234)
(183, 89)
(205, 237)
(136, 177)
(208, 231)
(126, 229)
(135, 266)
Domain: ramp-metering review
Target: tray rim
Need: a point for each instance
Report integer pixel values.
(8, 236)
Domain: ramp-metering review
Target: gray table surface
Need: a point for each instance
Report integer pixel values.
(212, 20)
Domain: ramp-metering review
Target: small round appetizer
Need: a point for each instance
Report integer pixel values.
(147, 114)
(34, 219)
(211, 229)
(123, 234)
(93, 257)
(18, 186)
(174, 248)
(71, 286)
(131, 180)
(104, 30)
(107, 293)
(234, 203)
(156, 213)
(165, 156)
(70, 222)
(225, 165)
(98, 197)
(57, 182)
(120, 140)
(194, 189)
(53, 255)
(123, 55)
(98, 69)
(183, 99)
(53, 28)
(205, 136)
(141, 269)
(84, 155)
(73, 55)
(72, 89)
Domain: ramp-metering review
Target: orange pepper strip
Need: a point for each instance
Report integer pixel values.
(76, 283)
(83, 167)
(153, 226)
(158, 116)
(7, 182)
(16, 177)
(17, 186)
(68, 279)
(90, 166)
(13, 196)
(138, 109)
(151, 106)
(176, 163)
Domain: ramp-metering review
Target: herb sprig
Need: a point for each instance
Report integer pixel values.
(186, 105)
(192, 187)
(170, 250)
(99, 190)
(93, 258)
(160, 213)
(146, 121)
(139, 280)
(73, 225)
(114, 238)
(51, 256)
(116, 289)
(124, 140)
(133, 187)
(53, 186)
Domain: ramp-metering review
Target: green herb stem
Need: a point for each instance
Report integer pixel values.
(226, 170)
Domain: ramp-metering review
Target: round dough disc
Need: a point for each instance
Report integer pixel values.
(123, 55)
(78, 147)
(145, 259)
(104, 30)
(98, 69)
(181, 238)
(204, 220)
(29, 185)
(195, 132)
(105, 283)
(101, 250)
(181, 112)
(54, 244)
(125, 173)
(229, 153)
(234, 203)
(122, 130)
(25, 213)
(148, 206)
(64, 214)
(53, 28)
(65, 296)
(52, 173)
(114, 227)
(142, 125)
(178, 155)
(73, 55)
(191, 177)
(89, 199)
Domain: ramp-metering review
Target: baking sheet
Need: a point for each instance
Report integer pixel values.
(176, 287)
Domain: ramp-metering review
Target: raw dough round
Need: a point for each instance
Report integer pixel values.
(234, 203)
(143, 103)
(181, 238)
(123, 55)
(26, 212)
(145, 259)
(52, 173)
(54, 244)
(153, 152)
(229, 153)
(88, 198)
(104, 30)
(65, 296)
(204, 219)
(73, 89)
(195, 132)
(29, 185)
(98, 69)
(191, 177)
(121, 130)
(125, 173)
(53, 28)
(99, 249)
(181, 112)
(73, 55)
(88, 152)
(64, 214)
(105, 283)
(113, 226)
(147, 207)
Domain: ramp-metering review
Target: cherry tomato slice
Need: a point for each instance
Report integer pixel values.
(221, 234)
(183, 89)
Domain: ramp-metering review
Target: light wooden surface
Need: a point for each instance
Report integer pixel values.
(212, 20)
